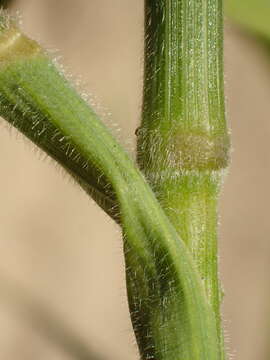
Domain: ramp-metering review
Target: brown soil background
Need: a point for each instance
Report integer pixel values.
(59, 250)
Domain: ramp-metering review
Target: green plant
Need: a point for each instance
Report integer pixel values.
(183, 142)
(170, 253)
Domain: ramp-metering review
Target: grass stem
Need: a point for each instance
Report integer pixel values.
(183, 141)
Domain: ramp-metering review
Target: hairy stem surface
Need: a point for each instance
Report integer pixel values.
(183, 142)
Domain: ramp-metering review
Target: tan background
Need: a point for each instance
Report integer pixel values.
(59, 250)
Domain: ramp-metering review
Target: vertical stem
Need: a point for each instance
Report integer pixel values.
(183, 141)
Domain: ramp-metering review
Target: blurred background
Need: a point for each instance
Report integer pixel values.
(62, 288)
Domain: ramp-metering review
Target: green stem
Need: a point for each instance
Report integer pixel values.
(171, 316)
(183, 142)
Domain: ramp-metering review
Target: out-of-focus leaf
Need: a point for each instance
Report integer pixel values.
(5, 3)
(252, 14)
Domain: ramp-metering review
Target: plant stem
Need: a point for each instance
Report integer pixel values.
(171, 316)
(183, 141)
